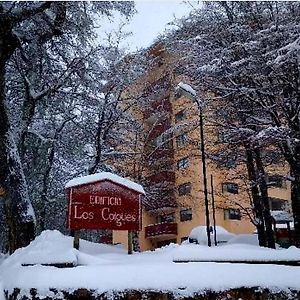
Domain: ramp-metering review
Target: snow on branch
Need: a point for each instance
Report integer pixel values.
(272, 134)
(39, 136)
(19, 15)
(287, 50)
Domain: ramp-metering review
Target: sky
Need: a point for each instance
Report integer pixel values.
(150, 20)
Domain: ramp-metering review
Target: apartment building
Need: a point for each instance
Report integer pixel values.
(174, 203)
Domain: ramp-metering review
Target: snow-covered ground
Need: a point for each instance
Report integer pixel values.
(108, 268)
(235, 253)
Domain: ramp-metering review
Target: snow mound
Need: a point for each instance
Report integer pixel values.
(235, 253)
(2, 257)
(96, 254)
(199, 235)
(167, 249)
(249, 239)
(97, 248)
(108, 269)
(2, 296)
(52, 247)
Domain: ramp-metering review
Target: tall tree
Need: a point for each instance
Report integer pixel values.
(246, 53)
(31, 28)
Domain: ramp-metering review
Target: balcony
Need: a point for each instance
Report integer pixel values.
(162, 153)
(161, 105)
(159, 128)
(161, 164)
(161, 230)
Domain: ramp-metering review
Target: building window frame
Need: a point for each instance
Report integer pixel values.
(167, 218)
(182, 139)
(278, 203)
(230, 187)
(186, 214)
(232, 214)
(163, 141)
(276, 181)
(183, 163)
(180, 116)
(184, 189)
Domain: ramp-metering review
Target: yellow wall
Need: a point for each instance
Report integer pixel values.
(193, 173)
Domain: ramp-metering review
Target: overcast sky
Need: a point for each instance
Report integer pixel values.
(151, 20)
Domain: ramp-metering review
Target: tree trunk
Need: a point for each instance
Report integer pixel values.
(265, 200)
(12, 182)
(18, 199)
(4, 170)
(257, 206)
(13, 187)
(4, 126)
(295, 197)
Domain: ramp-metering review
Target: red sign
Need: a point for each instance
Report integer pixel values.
(104, 205)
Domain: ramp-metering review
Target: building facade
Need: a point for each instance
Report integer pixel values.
(174, 203)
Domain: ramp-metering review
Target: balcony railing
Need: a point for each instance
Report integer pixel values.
(162, 153)
(161, 229)
(159, 128)
(163, 104)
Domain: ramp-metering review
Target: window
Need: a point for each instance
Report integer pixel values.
(223, 137)
(169, 218)
(164, 140)
(158, 141)
(180, 116)
(230, 187)
(159, 61)
(277, 204)
(232, 214)
(183, 163)
(184, 189)
(186, 214)
(181, 139)
(276, 181)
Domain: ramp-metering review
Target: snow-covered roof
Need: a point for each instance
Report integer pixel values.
(106, 176)
(281, 216)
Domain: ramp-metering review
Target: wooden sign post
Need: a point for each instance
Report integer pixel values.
(76, 239)
(104, 201)
(130, 244)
